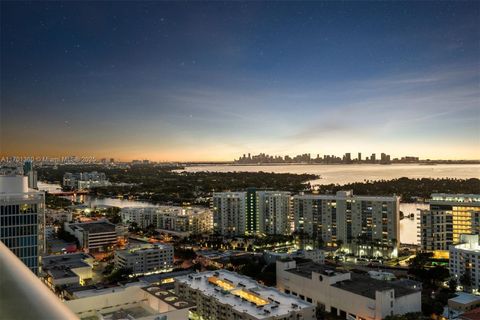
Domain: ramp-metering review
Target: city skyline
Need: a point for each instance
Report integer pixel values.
(211, 81)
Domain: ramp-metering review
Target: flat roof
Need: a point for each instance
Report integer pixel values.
(305, 270)
(95, 227)
(167, 296)
(59, 266)
(244, 294)
(465, 298)
(365, 286)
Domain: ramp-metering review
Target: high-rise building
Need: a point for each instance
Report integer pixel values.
(449, 216)
(465, 260)
(359, 158)
(229, 214)
(274, 209)
(22, 220)
(366, 225)
(251, 212)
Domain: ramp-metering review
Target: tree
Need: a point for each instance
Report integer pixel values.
(452, 284)
(466, 281)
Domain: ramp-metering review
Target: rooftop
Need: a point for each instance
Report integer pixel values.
(59, 266)
(143, 248)
(244, 294)
(464, 298)
(366, 286)
(95, 227)
(470, 199)
(305, 270)
(168, 297)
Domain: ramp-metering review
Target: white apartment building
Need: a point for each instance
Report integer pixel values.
(134, 303)
(193, 220)
(465, 260)
(274, 208)
(365, 225)
(85, 180)
(22, 220)
(145, 259)
(225, 295)
(449, 216)
(229, 213)
(94, 236)
(251, 212)
(350, 296)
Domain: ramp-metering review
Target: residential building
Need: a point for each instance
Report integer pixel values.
(449, 216)
(345, 294)
(75, 268)
(363, 225)
(22, 220)
(145, 259)
(460, 304)
(134, 303)
(465, 260)
(225, 295)
(194, 220)
(84, 180)
(251, 212)
(96, 236)
(229, 216)
(274, 209)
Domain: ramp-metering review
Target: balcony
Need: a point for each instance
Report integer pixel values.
(23, 296)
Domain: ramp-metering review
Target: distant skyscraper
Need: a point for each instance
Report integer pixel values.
(359, 156)
(22, 219)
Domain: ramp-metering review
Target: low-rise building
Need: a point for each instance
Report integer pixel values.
(225, 295)
(460, 304)
(134, 303)
(145, 259)
(348, 295)
(465, 260)
(75, 268)
(96, 236)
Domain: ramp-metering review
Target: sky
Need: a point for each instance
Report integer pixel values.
(210, 81)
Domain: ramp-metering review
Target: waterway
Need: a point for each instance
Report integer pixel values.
(342, 174)
(408, 226)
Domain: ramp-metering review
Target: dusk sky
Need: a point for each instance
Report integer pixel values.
(211, 81)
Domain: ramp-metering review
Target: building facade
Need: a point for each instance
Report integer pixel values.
(344, 294)
(145, 259)
(225, 295)
(22, 220)
(193, 220)
(84, 180)
(465, 260)
(251, 212)
(365, 225)
(449, 216)
(98, 236)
